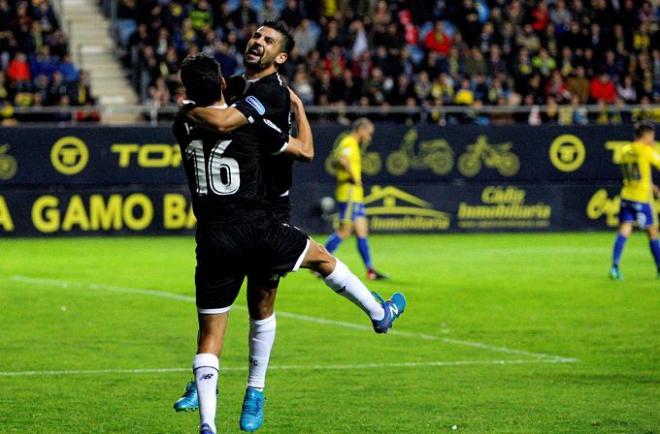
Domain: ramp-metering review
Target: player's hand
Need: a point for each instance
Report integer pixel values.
(185, 104)
(185, 107)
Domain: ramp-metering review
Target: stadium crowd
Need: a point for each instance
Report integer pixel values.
(35, 65)
(560, 54)
(551, 57)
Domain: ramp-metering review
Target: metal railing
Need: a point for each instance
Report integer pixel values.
(154, 115)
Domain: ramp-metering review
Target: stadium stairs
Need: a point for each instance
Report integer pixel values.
(93, 50)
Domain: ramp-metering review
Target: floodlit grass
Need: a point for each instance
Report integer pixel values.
(490, 303)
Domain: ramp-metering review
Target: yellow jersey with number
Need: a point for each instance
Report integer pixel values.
(636, 161)
(346, 191)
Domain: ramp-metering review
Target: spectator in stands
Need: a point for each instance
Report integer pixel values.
(268, 12)
(382, 15)
(303, 87)
(626, 90)
(81, 94)
(56, 89)
(561, 17)
(40, 87)
(291, 14)
(244, 15)
(578, 85)
(544, 63)
(437, 40)
(474, 63)
(422, 87)
(465, 95)
(65, 115)
(305, 38)
(58, 43)
(201, 16)
(565, 63)
(4, 89)
(556, 88)
(68, 69)
(360, 39)
(496, 52)
(7, 114)
(44, 14)
(602, 89)
(18, 70)
(43, 63)
(159, 94)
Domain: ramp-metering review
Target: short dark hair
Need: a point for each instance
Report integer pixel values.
(361, 123)
(643, 127)
(287, 38)
(201, 74)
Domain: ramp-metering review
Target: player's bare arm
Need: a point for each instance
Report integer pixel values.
(302, 147)
(221, 120)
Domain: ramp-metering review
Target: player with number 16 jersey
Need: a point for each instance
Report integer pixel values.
(223, 174)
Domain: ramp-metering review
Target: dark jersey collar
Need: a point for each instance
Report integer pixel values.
(275, 76)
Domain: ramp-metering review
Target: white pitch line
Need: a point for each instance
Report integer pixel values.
(282, 367)
(508, 350)
(109, 288)
(300, 317)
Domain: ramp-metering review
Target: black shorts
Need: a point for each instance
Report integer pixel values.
(281, 210)
(227, 253)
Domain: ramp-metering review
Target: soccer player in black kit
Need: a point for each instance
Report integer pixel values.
(261, 89)
(237, 232)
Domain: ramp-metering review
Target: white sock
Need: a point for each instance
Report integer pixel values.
(262, 337)
(347, 284)
(205, 369)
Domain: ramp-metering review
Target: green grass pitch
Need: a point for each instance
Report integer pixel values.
(504, 333)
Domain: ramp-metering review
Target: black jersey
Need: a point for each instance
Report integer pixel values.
(223, 170)
(268, 100)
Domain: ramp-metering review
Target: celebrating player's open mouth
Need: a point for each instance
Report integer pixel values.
(254, 53)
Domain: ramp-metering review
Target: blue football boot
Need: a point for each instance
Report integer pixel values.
(393, 309)
(615, 274)
(189, 400)
(252, 414)
(206, 429)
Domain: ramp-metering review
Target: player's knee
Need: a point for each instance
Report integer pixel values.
(319, 259)
(344, 232)
(319, 252)
(261, 311)
(625, 229)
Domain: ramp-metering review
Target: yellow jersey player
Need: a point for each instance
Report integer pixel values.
(350, 193)
(637, 194)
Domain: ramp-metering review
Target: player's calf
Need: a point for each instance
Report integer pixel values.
(340, 279)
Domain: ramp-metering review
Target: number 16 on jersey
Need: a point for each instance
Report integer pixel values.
(220, 174)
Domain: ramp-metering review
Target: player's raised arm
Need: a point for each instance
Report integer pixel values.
(301, 147)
